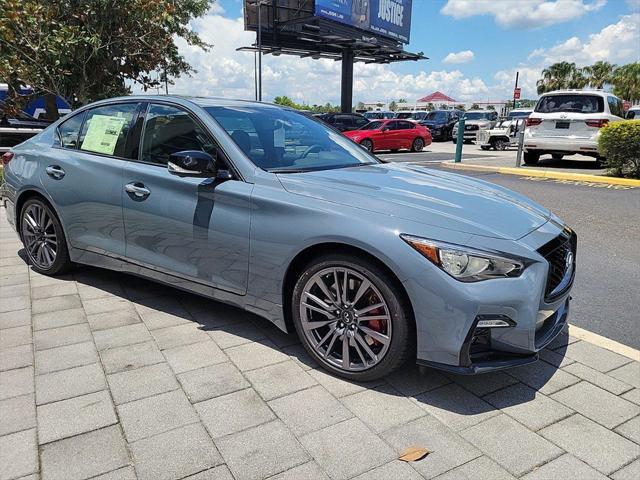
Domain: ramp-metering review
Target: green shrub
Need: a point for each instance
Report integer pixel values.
(619, 143)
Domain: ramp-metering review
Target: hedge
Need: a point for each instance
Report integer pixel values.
(619, 143)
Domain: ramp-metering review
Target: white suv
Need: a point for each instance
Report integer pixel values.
(566, 122)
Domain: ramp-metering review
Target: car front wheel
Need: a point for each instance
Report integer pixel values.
(351, 318)
(43, 238)
(367, 144)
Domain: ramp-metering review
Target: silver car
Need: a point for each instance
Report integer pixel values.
(269, 210)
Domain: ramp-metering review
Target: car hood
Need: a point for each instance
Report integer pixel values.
(432, 123)
(431, 197)
(477, 122)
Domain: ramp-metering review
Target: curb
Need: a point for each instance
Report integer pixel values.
(523, 171)
(604, 342)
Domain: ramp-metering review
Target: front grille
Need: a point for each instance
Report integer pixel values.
(561, 266)
(471, 127)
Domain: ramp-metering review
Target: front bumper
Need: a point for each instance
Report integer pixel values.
(447, 319)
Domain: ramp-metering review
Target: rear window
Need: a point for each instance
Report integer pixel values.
(570, 103)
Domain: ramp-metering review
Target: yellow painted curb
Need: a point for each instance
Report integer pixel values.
(582, 177)
(604, 342)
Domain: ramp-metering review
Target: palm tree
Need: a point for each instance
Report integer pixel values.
(626, 81)
(599, 73)
(560, 75)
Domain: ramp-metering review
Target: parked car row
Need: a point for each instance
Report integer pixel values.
(16, 128)
(391, 135)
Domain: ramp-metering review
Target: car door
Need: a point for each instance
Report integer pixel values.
(404, 134)
(83, 175)
(194, 228)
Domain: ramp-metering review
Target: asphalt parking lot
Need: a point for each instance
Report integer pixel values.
(109, 376)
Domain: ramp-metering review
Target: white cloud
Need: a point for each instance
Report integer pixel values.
(633, 5)
(523, 13)
(465, 56)
(227, 73)
(615, 43)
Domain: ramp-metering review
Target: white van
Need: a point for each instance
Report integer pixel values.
(566, 122)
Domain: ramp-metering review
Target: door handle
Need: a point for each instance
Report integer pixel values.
(55, 171)
(137, 189)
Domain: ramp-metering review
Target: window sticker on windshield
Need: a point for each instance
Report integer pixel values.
(103, 133)
(278, 137)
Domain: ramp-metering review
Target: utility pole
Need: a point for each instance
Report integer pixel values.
(514, 90)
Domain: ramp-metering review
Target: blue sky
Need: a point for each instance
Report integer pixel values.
(488, 41)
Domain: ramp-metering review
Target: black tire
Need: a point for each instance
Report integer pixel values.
(484, 147)
(402, 343)
(600, 161)
(499, 144)
(62, 262)
(531, 158)
(454, 140)
(557, 156)
(367, 144)
(417, 145)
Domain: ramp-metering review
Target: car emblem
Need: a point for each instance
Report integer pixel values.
(563, 115)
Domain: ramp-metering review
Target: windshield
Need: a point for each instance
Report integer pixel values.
(437, 116)
(372, 115)
(570, 103)
(281, 140)
(477, 115)
(372, 126)
(403, 115)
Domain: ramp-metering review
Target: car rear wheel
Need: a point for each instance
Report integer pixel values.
(351, 318)
(418, 145)
(368, 144)
(499, 144)
(531, 158)
(557, 156)
(43, 238)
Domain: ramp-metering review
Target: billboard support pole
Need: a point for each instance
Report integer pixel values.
(259, 52)
(346, 94)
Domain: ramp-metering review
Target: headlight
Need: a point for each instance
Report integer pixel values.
(465, 264)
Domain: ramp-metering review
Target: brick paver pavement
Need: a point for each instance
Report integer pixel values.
(109, 376)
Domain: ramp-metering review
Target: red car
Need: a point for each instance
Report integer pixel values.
(392, 134)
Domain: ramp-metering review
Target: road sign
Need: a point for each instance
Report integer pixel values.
(626, 105)
(516, 93)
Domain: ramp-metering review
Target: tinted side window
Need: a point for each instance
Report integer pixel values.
(616, 106)
(168, 130)
(69, 130)
(106, 128)
(360, 121)
(405, 125)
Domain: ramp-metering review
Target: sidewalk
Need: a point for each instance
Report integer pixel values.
(109, 376)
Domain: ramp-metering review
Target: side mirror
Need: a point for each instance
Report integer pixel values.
(192, 163)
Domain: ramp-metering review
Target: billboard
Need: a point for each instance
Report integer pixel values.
(391, 18)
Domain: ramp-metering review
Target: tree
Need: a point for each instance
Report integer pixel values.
(599, 73)
(491, 107)
(430, 106)
(84, 50)
(460, 106)
(475, 106)
(285, 102)
(626, 81)
(559, 76)
(393, 106)
(402, 100)
(443, 106)
(360, 106)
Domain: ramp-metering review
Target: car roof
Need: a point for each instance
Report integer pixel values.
(200, 101)
(577, 92)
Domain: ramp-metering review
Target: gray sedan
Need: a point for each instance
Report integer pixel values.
(269, 210)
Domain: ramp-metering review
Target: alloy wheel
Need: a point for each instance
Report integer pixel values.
(345, 319)
(418, 144)
(39, 235)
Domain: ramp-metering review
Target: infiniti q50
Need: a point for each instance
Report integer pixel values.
(262, 207)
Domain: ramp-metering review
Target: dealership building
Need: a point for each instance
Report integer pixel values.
(439, 99)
